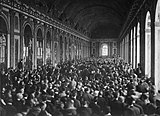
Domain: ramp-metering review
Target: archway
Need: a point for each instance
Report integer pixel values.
(157, 46)
(39, 47)
(148, 45)
(27, 48)
(3, 44)
(104, 50)
(48, 48)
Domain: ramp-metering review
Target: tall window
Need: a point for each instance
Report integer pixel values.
(27, 47)
(148, 46)
(105, 50)
(157, 47)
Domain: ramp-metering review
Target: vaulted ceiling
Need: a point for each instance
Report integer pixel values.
(99, 18)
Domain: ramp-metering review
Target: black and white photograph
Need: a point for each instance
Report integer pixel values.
(79, 57)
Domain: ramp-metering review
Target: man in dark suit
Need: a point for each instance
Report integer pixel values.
(117, 107)
(87, 96)
(101, 101)
(130, 109)
(85, 110)
(10, 109)
(20, 64)
(96, 109)
(76, 101)
(139, 71)
(70, 109)
(34, 111)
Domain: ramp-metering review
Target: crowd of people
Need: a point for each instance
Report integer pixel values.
(91, 87)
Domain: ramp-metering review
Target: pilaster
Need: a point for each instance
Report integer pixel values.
(12, 38)
(142, 41)
(153, 48)
(135, 47)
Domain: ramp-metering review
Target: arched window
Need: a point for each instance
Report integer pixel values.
(27, 47)
(157, 46)
(105, 50)
(148, 45)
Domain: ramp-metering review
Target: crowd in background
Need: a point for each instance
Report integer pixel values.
(91, 87)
